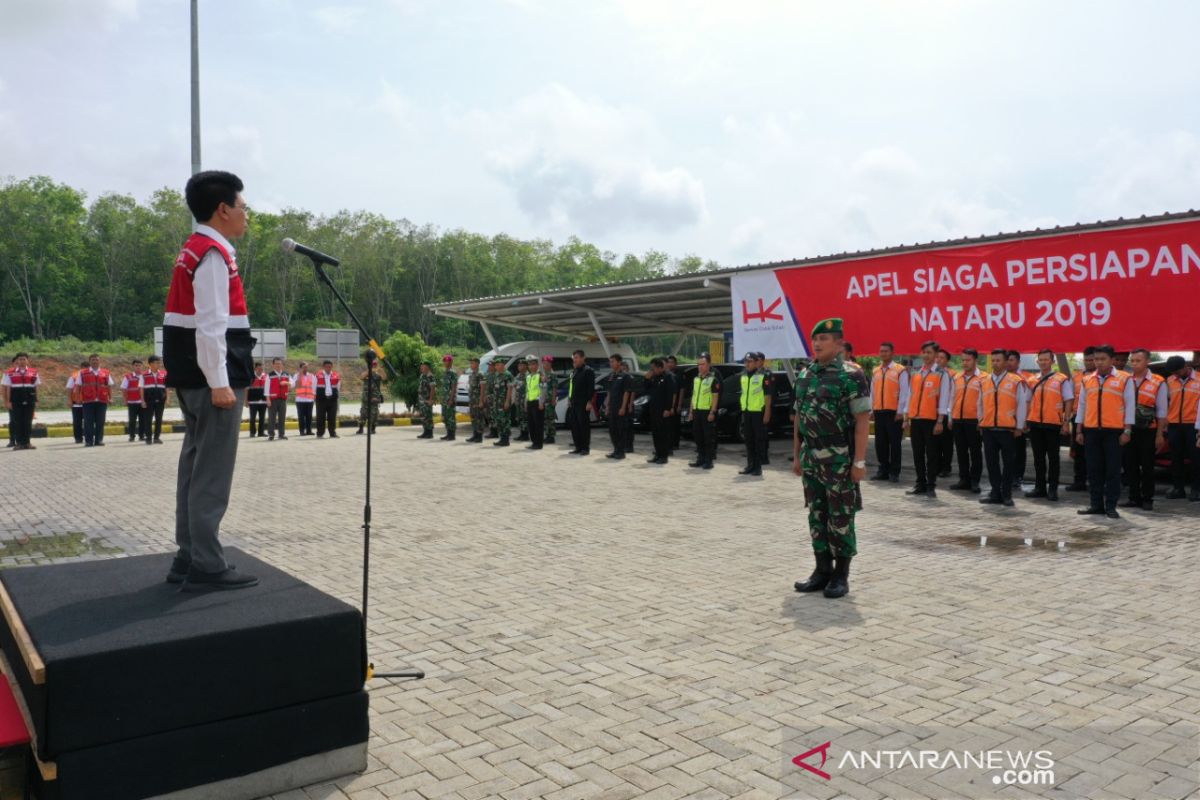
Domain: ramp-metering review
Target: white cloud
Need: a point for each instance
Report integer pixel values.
(1135, 175)
(337, 19)
(585, 165)
(21, 18)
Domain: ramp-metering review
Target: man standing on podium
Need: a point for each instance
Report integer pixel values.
(207, 352)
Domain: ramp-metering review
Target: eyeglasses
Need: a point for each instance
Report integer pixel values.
(245, 209)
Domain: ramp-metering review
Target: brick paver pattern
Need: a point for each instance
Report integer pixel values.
(601, 629)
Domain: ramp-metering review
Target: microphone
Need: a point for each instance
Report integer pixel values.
(292, 246)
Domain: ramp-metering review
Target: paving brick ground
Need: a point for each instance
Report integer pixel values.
(599, 629)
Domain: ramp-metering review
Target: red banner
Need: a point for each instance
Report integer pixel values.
(1130, 287)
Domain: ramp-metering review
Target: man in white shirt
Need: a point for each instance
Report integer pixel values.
(207, 350)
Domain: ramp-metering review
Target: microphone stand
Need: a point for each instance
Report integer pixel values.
(373, 351)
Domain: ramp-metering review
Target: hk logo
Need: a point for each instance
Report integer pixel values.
(763, 314)
(823, 749)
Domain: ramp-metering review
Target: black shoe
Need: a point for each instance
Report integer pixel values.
(975, 488)
(820, 576)
(746, 471)
(991, 501)
(757, 471)
(1076, 487)
(263, 435)
(446, 438)
(839, 582)
(878, 476)
(358, 432)
(333, 435)
(619, 457)
(944, 473)
(1131, 503)
(1052, 495)
(502, 443)
(661, 460)
(931, 493)
(653, 460)
(1008, 502)
(1194, 497)
(283, 438)
(1112, 514)
(894, 478)
(706, 465)
(918, 490)
(695, 463)
(1036, 493)
(959, 486)
(179, 570)
(585, 452)
(229, 578)
(533, 447)
(1147, 505)
(550, 440)
(426, 435)
(1090, 510)
(99, 444)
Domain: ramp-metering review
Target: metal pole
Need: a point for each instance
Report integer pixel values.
(195, 87)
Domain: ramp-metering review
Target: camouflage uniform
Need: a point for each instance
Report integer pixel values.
(449, 401)
(519, 410)
(474, 387)
(489, 388)
(424, 408)
(372, 397)
(500, 384)
(550, 387)
(827, 398)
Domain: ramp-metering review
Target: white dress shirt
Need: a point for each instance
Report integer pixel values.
(210, 285)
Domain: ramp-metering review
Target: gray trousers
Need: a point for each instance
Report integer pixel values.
(205, 475)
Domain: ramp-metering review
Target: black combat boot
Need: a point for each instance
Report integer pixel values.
(839, 582)
(820, 577)
(449, 437)
(426, 435)
(502, 443)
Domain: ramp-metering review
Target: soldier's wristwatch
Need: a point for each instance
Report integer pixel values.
(860, 464)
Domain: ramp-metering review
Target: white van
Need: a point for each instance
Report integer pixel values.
(593, 353)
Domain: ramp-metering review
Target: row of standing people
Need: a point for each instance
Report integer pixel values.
(1115, 420)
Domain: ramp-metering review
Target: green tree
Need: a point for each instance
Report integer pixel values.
(405, 352)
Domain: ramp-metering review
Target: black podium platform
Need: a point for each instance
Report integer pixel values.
(130, 685)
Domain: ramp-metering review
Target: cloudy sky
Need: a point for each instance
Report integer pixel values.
(738, 131)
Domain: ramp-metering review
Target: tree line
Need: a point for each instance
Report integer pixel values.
(100, 270)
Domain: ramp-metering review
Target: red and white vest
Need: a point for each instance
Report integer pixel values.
(94, 385)
(132, 389)
(179, 321)
(23, 381)
(154, 379)
(278, 385)
(335, 383)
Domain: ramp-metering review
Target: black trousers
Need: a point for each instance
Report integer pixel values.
(1022, 456)
(660, 430)
(704, 433)
(21, 423)
(581, 427)
(93, 422)
(277, 417)
(754, 434)
(1000, 453)
(1045, 440)
(676, 430)
(616, 432)
(888, 436)
(258, 414)
(152, 414)
(77, 423)
(304, 417)
(1139, 464)
(134, 426)
(1079, 469)
(327, 408)
(945, 441)
(536, 419)
(969, 446)
(1103, 450)
(926, 455)
(1181, 438)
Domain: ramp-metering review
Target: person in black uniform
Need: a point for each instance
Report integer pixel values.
(661, 392)
(677, 407)
(618, 405)
(769, 389)
(581, 385)
(705, 400)
(154, 399)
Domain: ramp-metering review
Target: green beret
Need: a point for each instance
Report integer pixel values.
(831, 325)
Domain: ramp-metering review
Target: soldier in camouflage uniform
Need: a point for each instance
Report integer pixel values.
(474, 400)
(832, 404)
(372, 397)
(501, 401)
(489, 387)
(550, 393)
(520, 415)
(449, 398)
(426, 397)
